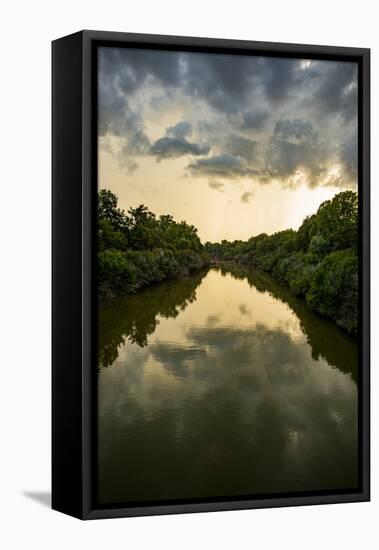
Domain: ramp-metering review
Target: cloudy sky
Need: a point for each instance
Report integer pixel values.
(236, 145)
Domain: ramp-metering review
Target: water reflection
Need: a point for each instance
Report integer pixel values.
(223, 384)
(133, 318)
(327, 340)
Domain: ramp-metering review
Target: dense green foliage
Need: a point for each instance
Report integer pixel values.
(319, 262)
(136, 249)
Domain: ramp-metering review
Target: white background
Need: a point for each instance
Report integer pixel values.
(26, 31)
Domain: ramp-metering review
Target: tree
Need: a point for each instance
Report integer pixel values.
(336, 221)
(137, 249)
(107, 209)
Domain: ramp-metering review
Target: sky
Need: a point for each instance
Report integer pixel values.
(235, 145)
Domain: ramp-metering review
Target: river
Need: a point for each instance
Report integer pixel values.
(223, 384)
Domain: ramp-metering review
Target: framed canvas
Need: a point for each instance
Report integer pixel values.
(210, 275)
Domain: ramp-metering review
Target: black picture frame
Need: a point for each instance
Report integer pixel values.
(74, 176)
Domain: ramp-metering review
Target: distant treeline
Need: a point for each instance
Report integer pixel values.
(319, 262)
(136, 249)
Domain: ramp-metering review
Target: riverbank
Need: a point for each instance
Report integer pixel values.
(318, 262)
(147, 269)
(137, 249)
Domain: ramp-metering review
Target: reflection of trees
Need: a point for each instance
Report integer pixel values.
(134, 317)
(326, 339)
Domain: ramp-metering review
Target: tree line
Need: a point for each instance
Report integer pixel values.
(318, 262)
(137, 249)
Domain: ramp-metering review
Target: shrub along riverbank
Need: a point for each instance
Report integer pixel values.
(319, 262)
(137, 249)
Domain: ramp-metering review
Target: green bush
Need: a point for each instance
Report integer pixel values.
(115, 271)
(138, 249)
(334, 288)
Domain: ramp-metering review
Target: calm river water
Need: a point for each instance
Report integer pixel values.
(222, 384)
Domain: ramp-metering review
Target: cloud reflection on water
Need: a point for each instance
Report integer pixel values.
(219, 408)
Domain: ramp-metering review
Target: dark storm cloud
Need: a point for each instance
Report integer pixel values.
(294, 145)
(254, 120)
(128, 70)
(285, 158)
(228, 82)
(173, 147)
(305, 113)
(181, 130)
(175, 144)
(281, 78)
(116, 118)
(231, 83)
(240, 146)
(336, 90)
(225, 82)
(222, 166)
(299, 129)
